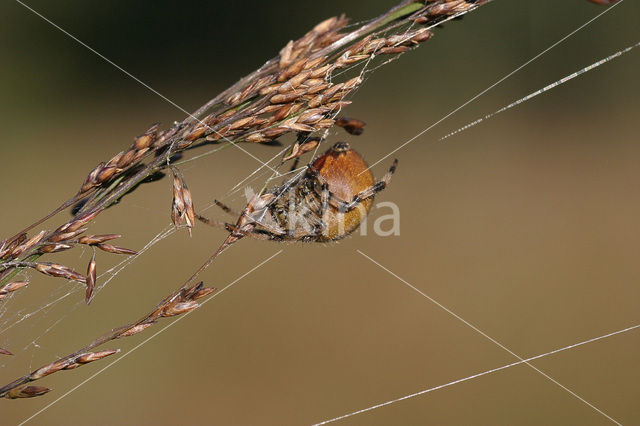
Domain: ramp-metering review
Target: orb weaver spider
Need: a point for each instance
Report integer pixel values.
(325, 203)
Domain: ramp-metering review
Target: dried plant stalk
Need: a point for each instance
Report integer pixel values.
(295, 92)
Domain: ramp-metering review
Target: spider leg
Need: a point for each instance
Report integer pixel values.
(218, 224)
(214, 223)
(256, 233)
(260, 234)
(344, 206)
(314, 223)
(295, 164)
(226, 208)
(325, 196)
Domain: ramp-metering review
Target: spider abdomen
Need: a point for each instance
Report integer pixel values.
(346, 174)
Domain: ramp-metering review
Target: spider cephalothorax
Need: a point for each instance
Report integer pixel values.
(325, 203)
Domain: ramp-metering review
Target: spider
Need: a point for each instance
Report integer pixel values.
(325, 203)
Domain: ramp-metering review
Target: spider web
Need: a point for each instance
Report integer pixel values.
(257, 176)
(40, 312)
(10, 319)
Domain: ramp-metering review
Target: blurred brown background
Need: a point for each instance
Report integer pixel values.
(525, 226)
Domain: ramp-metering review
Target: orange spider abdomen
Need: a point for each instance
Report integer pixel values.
(346, 174)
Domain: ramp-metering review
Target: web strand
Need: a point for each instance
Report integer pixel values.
(265, 165)
(128, 74)
(477, 375)
(483, 92)
(485, 335)
(544, 89)
(216, 294)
